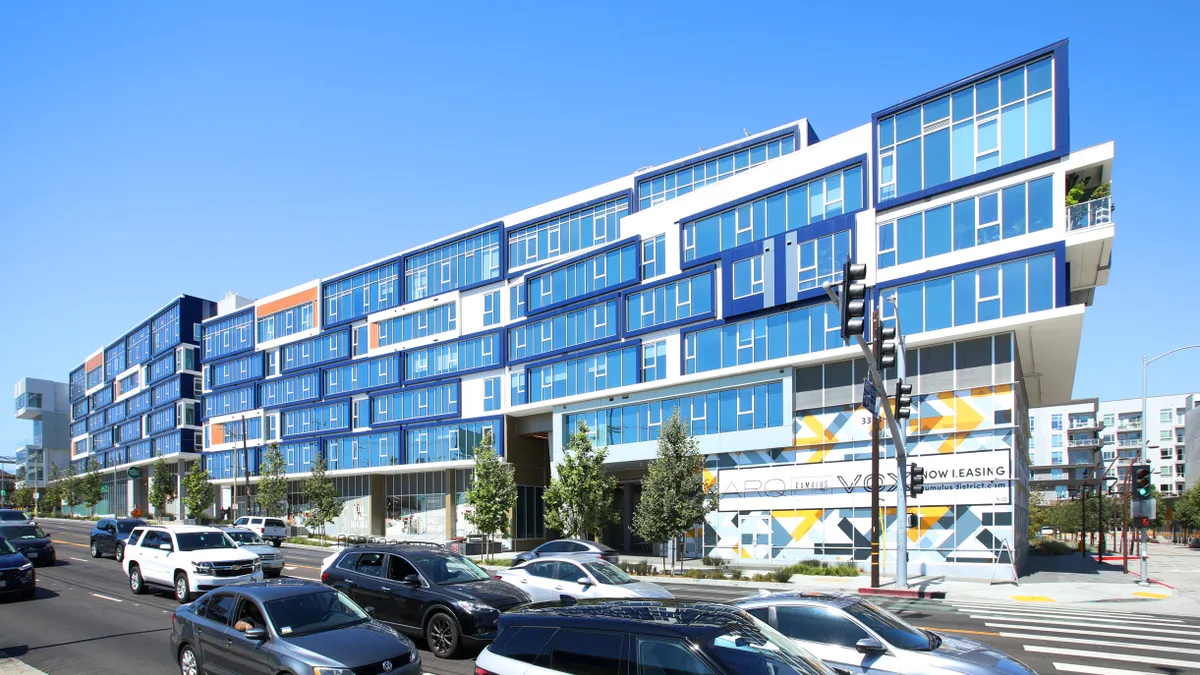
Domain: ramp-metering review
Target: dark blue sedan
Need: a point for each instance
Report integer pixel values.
(110, 534)
(285, 626)
(17, 576)
(31, 541)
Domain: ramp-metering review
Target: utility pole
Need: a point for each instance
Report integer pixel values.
(246, 459)
(1125, 519)
(876, 526)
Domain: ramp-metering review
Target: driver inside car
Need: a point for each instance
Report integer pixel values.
(249, 617)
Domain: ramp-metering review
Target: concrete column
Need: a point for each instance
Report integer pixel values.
(627, 516)
(378, 514)
(451, 505)
(180, 512)
(131, 499)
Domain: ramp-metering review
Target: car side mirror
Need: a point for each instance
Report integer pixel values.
(165, 547)
(841, 671)
(411, 580)
(870, 646)
(256, 633)
(583, 581)
(369, 610)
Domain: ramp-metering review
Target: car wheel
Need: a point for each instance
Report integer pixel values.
(188, 664)
(441, 634)
(119, 553)
(136, 583)
(277, 543)
(95, 550)
(183, 592)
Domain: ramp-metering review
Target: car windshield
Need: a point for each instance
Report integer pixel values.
(6, 547)
(273, 522)
(746, 647)
(245, 537)
(22, 532)
(608, 573)
(315, 612)
(449, 569)
(889, 626)
(195, 541)
(126, 526)
(12, 515)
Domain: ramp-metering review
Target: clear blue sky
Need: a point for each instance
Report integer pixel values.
(149, 149)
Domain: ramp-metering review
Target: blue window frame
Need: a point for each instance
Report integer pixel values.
(136, 405)
(585, 277)
(316, 419)
(137, 346)
(679, 182)
(759, 406)
(440, 319)
(102, 440)
(161, 420)
(169, 444)
(491, 308)
(317, 350)
(78, 386)
(363, 451)
(1003, 214)
(440, 400)
(129, 382)
(675, 301)
(166, 392)
(235, 371)
(517, 393)
(79, 409)
(130, 431)
(229, 401)
(165, 330)
(654, 257)
(563, 330)
(449, 442)
(79, 428)
(792, 333)
(235, 431)
(299, 456)
(998, 121)
(574, 231)
(452, 357)
(102, 398)
(491, 394)
(361, 294)
(464, 262)
(583, 375)
(830, 195)
(162, 368)
(292, 389)
(285, 322)
(227, 336)
(516, 298)
(114, 414)
(821, 259)
(361, 375)
(654, 361)
(748, 277)
(95, 376)
(114, 360)
(1009, 289)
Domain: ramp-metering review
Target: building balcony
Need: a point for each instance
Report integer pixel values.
(1085, 425)
(1083, 443)
(1090, 224)
(1092, 213)
(1129, 426)
(34, 442)
(1133, 443)
(28, 406)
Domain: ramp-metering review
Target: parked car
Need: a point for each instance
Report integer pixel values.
(190, 559)
(31, 541)
(849, 632)
(425, 591)
(285, 626)
(648, 637)
(110, 534)
(17, 576)
(15, 517)
(548, 579)
(273, 530)
(272, 560)
(581, 548)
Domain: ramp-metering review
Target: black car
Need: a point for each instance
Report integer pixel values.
(425, 591)
(110, 534)
(17, 575)
(14, 517)
(285, 626)
(31, 541)
(642, 636)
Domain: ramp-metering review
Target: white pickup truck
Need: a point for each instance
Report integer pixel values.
(190, 559)
(273, 530)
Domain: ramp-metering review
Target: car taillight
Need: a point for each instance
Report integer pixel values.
(483, 671)
(497, 576)
(324, 577)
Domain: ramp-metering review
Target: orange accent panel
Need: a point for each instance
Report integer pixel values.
(373, 339)
(216, 434)
(287, 303)
(94, 362)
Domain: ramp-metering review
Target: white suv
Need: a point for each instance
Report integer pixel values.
(189, 558)
(274, 530)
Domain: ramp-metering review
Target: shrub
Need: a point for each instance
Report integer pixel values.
(713, 561)
(735, 572)
(781, 575)
(639, 569)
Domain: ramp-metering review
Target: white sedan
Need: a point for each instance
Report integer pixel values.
(548, 579)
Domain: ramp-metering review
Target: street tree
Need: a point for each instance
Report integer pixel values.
(493, 494)
(22, 498)
(198, 491)
(579, 499)
(52, 493)
(1187, 509)
(162, 486)
(675, 494)
(324, 505)
(272, 482)
(91, 486)
(70, 489)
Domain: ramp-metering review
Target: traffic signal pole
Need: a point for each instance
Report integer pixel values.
(876, 525)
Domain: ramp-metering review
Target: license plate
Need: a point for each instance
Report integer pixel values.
(31, 555)
(3, 584)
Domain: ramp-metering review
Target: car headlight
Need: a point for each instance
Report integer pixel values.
(50, 547)
(326, 670)
(472, 606)
(257, 564)
(202, 567)
(26, 567)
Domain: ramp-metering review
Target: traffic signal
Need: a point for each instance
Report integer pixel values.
(885, 347)
(1142, 489)
(1141, 522)
(852, 299)
(903, 408)
(916, 480)
(912, 521)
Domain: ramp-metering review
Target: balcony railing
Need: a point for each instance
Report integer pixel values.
(1082, 424)
(1083, 443)
(1129, 426)
(1129, 444)
(1090, 214)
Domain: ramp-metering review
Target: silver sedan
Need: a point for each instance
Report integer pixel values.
(548, 579)
(850, 633)
(270, 557)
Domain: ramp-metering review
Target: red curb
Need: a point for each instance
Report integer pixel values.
(1153, 580)
(904, 593)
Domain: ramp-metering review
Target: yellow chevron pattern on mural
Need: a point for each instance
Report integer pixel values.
(968, 417)
(942, 416)
(817, 456)
(927, 519)
(709, 479)
(817, 433)
(808, 518)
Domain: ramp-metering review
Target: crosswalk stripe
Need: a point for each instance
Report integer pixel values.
(1101, 643)
(1194, 631)
(1097, 670)
(1063, 610)
(1116, 656)
(1077, 631)
(1070, 615)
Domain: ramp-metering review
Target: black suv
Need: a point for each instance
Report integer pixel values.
(623, 637)
(110, 534)
(426, 591)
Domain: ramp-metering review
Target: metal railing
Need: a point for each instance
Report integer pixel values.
(1090, 214)
(1083, 442)
(1082, 424)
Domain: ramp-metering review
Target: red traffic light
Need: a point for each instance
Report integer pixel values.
(1141, 522)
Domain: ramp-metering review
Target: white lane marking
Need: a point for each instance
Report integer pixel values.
(1097, 670)
(1101, 643)
(1076, 631)
(79, 559)
(1116, 656)
(105, 597)
(1094, 620)
(1091, 624)
(1048, 609)
(289, 568)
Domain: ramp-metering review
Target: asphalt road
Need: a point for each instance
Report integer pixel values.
(84, 621)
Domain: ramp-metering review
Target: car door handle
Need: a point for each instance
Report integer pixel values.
(524, 581)
(558, 588)
(385, 589)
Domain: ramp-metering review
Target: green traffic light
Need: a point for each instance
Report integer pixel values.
(1143, 492)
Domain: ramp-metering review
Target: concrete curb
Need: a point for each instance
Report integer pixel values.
(910, 593)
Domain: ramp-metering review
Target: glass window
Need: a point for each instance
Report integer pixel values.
(654, 257)
(564, 234)
(587, 652)
(524, 644)
(662, 656)
(678, 300)
(748, 277)
(286, 322)
(565, 330)
(420, 324)
(464, 262)
(452, 357)
(491, 308)
(361, 294)
(585, 277)
(586, 374)
(819, 624)
(219, 608)
(679, 182)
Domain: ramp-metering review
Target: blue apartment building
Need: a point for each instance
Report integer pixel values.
(694, 286)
